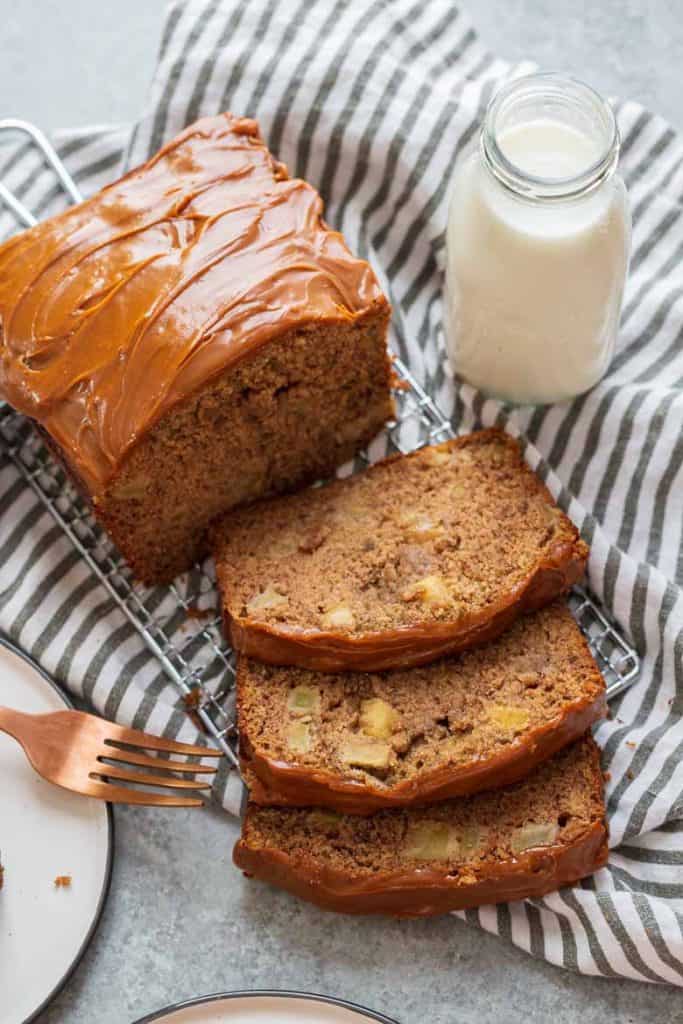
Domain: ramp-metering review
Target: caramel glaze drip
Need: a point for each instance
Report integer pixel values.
(122, 306)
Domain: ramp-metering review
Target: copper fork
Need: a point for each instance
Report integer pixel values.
(83, 753)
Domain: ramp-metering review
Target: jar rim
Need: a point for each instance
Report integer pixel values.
(560, 89)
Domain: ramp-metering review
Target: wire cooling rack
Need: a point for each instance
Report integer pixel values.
(181, 624)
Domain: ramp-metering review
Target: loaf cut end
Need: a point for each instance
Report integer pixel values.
(285, 417)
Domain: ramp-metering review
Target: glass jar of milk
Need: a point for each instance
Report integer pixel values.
(538, 243)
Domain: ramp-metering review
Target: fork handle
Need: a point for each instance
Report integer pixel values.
(13, 722)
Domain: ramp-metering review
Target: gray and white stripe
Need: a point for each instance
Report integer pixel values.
(373, 101)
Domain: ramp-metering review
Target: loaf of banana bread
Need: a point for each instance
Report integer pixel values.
(192, 337)
(417, 557)
(526, 840)
(358, 742)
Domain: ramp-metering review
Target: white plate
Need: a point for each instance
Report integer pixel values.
(44, 832)
(265, 1008)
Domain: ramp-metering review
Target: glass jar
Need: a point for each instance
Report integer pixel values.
(538, 242)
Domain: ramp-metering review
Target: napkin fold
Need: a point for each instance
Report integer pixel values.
(373, 101)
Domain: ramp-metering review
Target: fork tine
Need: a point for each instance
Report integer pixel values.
(124, 795)
(165, 781)
(136, 738)
(145, 761)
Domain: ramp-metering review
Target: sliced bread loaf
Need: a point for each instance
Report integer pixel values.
(417, 557)
(192, 337)
(526, 840)
(358, 742)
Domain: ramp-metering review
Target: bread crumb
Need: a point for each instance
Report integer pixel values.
(199, 613)
(398, 383)
(63, 882)
(192, 699)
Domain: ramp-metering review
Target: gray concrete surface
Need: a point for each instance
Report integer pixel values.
(74, 62)
(180, 920)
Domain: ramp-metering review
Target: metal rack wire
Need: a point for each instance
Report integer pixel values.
(180, 624)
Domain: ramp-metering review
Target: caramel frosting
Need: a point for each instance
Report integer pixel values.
(122, 306)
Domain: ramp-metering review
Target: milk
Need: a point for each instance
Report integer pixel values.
(534, 285)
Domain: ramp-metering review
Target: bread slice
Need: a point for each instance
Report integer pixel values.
(358, 742)
(192, 337)
(419, 556)
(527, 840)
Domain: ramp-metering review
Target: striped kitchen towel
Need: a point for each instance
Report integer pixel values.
(373, 101)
